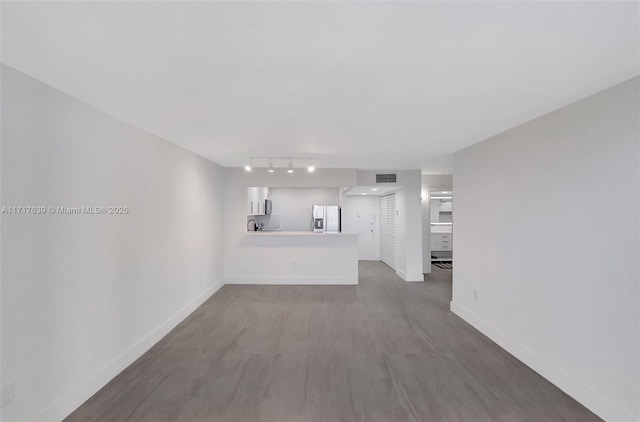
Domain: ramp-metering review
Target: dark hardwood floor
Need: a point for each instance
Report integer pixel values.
(385, 350)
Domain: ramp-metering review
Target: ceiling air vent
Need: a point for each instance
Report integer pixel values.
(385, 178)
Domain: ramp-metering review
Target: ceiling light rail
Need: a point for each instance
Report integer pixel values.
(286, 163)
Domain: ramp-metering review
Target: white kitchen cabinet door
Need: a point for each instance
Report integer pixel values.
(256, 197)
(388, 229)
(253, 201)
(441, 242)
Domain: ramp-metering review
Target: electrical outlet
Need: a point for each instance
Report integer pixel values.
(8, 394)
(293, 264)
(475, 295)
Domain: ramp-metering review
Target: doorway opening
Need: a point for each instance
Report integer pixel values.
(441, 227)
(371, 212)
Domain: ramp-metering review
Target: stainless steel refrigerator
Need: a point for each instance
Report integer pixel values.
(326, 219)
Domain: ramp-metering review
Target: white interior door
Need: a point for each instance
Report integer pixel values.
(388, 228)
(366, 240)
(374, 237)
(360, 215)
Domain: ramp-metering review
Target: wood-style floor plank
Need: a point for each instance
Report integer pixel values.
(384, 350)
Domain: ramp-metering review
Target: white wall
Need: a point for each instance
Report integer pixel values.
(430, 181)
(293, 205)
(556, 266)
(358, 212)
(409, 231)
(263, 260)
(83, 296)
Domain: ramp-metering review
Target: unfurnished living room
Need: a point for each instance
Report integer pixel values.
(320, 211)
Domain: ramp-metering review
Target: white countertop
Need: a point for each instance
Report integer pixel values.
(295, 233)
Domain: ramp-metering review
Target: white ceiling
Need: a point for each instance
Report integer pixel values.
(355, 84)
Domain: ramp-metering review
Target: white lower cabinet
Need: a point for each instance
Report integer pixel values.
(441, 241)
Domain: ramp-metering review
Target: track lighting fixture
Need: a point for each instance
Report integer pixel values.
(268, 162)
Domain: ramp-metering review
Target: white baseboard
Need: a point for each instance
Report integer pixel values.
(293, 280)
(411, 279)
(592, 400)
(415, 278)
(71, 400)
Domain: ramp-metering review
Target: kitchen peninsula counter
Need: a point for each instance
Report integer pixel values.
(295, 233)
(296, 257)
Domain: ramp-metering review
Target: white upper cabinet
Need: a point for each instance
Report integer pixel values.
(256, 198)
